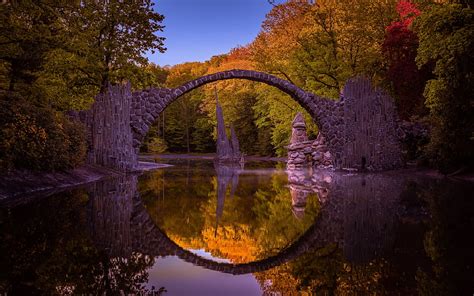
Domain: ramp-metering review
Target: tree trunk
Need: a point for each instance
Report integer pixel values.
(187, 130)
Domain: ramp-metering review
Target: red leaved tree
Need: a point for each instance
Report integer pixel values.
(399, 48)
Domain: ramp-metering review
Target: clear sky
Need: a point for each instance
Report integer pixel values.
(196, 30)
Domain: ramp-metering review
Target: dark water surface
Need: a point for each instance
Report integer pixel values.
(201, 229)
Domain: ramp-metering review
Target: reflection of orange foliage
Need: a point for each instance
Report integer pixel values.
(279, 281)
(191, 243)
(367, 279)
(232, 242)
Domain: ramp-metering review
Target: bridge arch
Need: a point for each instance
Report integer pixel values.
(327, 114)
(361, 130)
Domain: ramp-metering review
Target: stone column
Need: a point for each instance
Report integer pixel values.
(111, 143)
(235, 144)
(224, 148)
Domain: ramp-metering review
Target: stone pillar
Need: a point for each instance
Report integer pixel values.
(109, 132)
(371, 131)
(298, 131)
(224, 148)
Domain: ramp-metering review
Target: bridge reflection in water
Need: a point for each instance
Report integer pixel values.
(358, 214)
(371, 234)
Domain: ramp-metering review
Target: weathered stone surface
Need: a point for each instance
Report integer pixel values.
(109, 129)
(170, 95)
(302, 152)
(370, 130)
(236, 154)
(224, 149)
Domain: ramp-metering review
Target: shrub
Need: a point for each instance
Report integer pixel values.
(38, 138)
(447, 38)
(156, 145)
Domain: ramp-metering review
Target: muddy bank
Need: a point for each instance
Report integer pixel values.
(22, 183)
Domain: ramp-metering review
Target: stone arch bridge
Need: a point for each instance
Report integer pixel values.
(361, 129)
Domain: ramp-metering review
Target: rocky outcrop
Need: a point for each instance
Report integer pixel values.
(224, 149)
(227, 151)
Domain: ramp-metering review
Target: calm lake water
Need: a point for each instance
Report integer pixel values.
(197, 228)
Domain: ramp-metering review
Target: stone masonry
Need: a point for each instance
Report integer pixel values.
(372, 131)
(108, 126)
(303, 152)
(148, 104)
(360, 130)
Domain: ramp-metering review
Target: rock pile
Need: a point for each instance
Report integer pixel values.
(303, 152)
(320, 154)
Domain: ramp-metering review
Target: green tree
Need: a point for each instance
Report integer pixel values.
(103, 42)
(113, 36)
(186, 126)
(56, 55)
(446, 34)
(319, 46)
(28, 31)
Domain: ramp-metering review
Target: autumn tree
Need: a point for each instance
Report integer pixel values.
(400, 49)
(319, 46)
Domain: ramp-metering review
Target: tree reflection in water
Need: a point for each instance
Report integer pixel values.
(314, 232)
(48, 247)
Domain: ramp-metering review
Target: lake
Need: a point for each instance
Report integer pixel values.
(200, 228)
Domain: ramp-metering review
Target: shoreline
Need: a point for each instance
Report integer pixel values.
(205, 156)
(23, 183)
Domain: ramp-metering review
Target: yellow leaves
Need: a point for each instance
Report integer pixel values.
(25, 129)
(279, 281)
(35, 137)
(233, 242)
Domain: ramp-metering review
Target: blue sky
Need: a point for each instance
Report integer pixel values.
(196, 30)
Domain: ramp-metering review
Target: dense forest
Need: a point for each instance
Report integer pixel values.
(55, 56)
